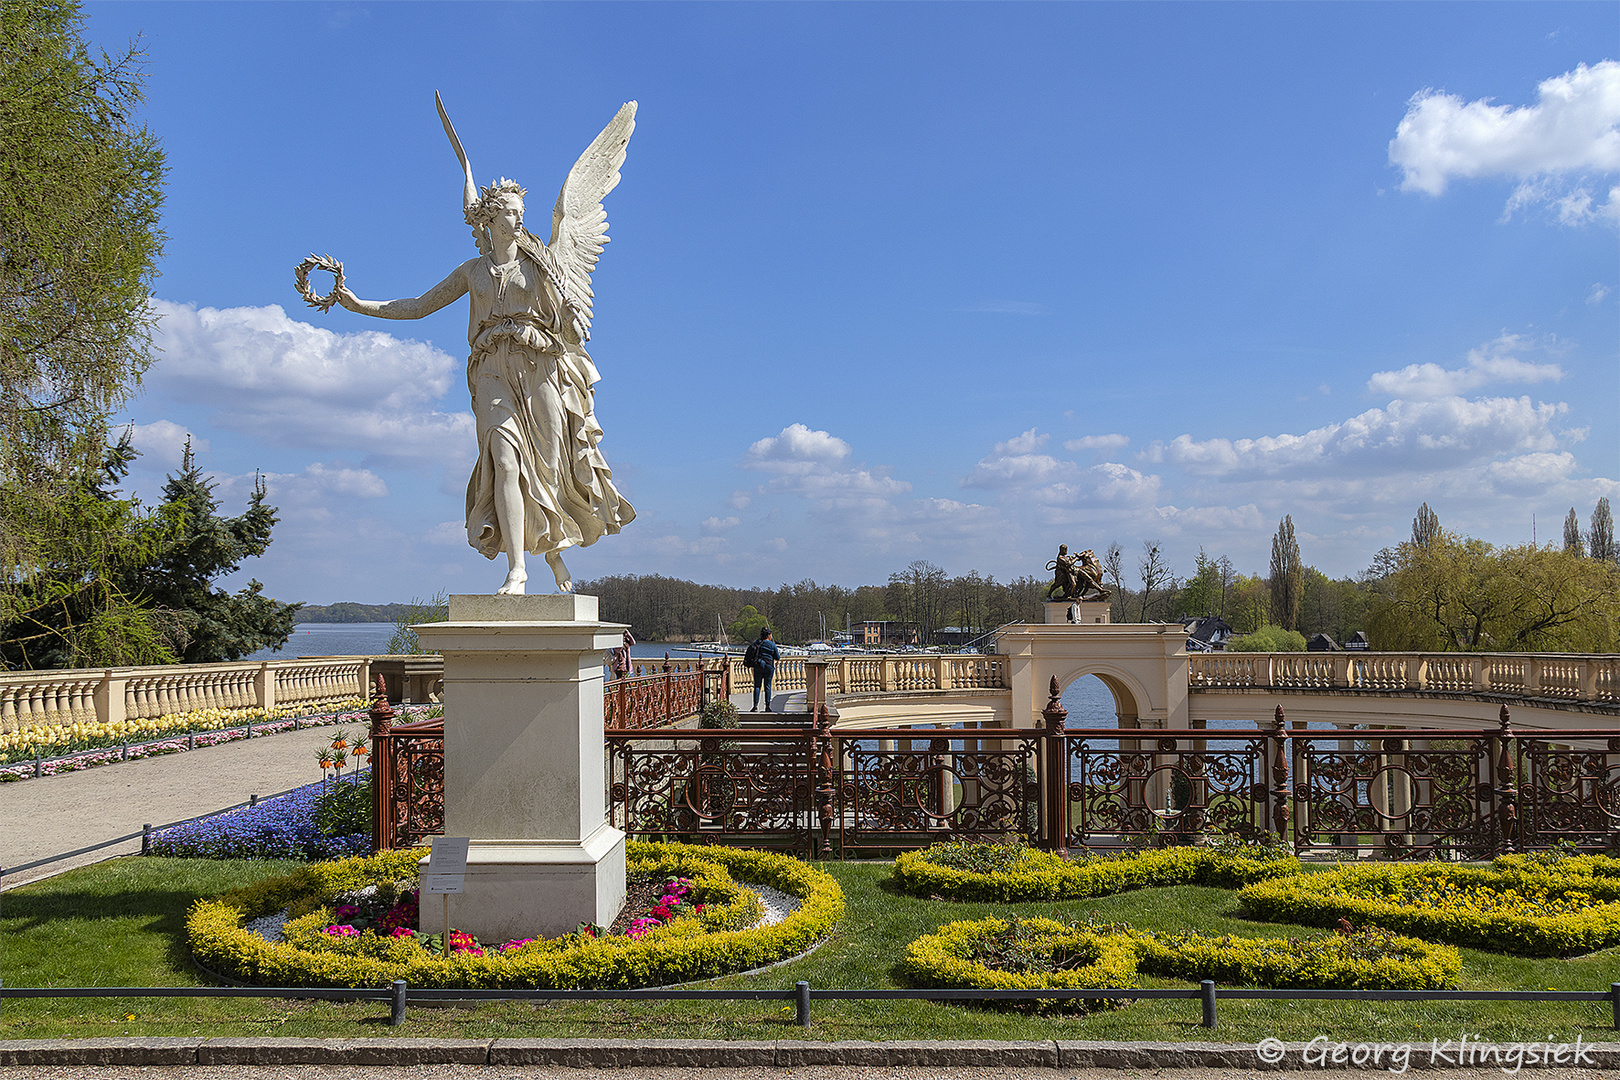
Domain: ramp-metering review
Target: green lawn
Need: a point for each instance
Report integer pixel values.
(119, 923)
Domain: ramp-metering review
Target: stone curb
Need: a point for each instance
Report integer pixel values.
(625, 1053)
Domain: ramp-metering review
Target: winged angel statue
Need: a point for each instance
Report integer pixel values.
(541, 483)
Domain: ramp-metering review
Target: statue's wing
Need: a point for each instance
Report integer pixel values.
(579, 223)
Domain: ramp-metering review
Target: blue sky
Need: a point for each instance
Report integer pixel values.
(887, 282)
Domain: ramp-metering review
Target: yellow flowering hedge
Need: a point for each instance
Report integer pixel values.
(1537, 912)
(93, 734)
(681, 951)
(978, 954)
(1032, 874)
(945, 959)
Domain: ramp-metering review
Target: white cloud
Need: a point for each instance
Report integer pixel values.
(1098, 442)
(325, 482)
(452, 534)
(1599, 291)
(1018, 462)
(716, 524)
(1554, 146)
(162, 444)
(293, 384)
(1530, 474)
(811, 463)
(1491, 363)
(1106, 484)
(1406, 436)
(795, 448)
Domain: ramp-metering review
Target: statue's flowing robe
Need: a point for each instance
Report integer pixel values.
(531, 386)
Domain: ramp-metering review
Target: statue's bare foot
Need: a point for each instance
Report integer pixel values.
(565, 580)
(513, 586)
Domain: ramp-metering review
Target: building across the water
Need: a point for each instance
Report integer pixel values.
(886, 632)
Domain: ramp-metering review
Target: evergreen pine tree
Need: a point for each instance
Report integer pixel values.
(205, 546)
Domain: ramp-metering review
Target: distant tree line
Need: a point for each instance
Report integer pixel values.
(347, 611)
(1436, 591)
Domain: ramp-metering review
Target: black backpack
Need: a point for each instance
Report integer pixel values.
(751, 657)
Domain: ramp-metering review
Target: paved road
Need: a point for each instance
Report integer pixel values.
(54, 814)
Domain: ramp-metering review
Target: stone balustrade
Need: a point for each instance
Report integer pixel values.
(889, 672)
(1537, 675)
(70, 696)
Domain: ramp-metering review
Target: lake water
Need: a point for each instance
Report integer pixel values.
(1087, 699)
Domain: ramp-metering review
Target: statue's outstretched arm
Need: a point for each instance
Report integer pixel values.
(447, 291)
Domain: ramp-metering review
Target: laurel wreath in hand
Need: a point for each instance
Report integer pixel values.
(301, 280)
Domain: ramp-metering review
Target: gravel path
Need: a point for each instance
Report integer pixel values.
(54, 814)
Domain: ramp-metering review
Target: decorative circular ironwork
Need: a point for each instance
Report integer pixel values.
(1393, 746)
(1167, 745)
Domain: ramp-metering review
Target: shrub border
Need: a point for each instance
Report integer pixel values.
(1300, 899)
(941, 960)
(681, 952)
(1055, 878)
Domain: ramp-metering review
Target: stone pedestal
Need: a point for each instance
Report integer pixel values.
(523, 765)
(1078, 612)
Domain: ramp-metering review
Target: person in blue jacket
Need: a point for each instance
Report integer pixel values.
(765, 658)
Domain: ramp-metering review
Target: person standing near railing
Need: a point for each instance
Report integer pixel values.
(765, 656)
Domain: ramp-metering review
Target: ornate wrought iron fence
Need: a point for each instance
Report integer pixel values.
(1411, 795)
(742, 786)
(407, 782)
(649, 701)
(897, 790)
(1406, 794)
(1570, 791)
(1163, 785)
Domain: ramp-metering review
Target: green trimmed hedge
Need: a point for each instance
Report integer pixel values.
(1059, 956)
(687, 949)
(1526, 908)
(1368, 959)
(1030, 874)
(944, 959)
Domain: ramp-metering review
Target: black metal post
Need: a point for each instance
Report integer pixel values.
(396, 1009)
(253, 800)
(1614, 1000)
(1206, 995)
(801, 990)
(146, 837)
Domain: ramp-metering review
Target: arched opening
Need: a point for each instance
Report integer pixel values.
(1098, 701)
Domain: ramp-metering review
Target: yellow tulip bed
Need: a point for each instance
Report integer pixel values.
(1555, 908)
(697, 944)
(1039, 954)
(59, 740)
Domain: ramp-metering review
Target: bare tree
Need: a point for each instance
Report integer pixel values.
(1223, 567)
(1154, 572)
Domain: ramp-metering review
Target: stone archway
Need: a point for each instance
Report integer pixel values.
(1127, 709)
(1143, 664)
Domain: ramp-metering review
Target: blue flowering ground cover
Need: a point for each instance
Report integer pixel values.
(280, 828)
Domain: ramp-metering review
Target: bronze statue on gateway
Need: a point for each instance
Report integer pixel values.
(1076, 577)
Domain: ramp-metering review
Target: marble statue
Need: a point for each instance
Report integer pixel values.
(1076, 577)
(540, 484)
